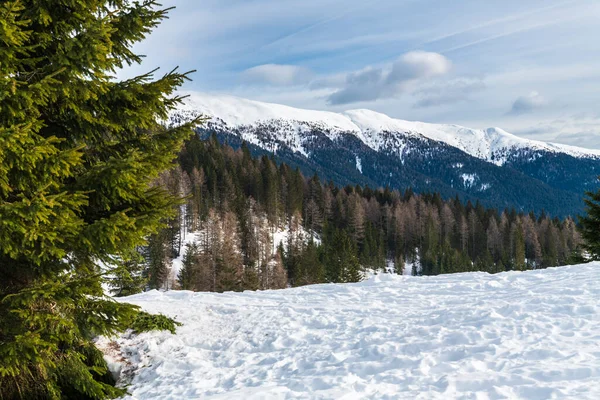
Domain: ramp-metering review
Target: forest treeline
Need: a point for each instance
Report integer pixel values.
(236, 203)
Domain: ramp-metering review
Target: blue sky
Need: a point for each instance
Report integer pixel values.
(531, 67)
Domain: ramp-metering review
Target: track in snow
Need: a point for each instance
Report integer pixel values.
(533, 335)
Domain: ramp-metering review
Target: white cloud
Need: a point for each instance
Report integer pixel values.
(373, 83)
(277, 75)
(528, 103)
(419, 64)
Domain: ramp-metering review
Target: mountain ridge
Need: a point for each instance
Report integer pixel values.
(489, 144)
(368, 148)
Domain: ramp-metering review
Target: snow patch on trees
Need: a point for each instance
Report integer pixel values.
(359, 164)
(468, 180)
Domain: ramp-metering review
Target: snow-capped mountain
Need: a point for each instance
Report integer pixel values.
(376, 130)
(369, 148)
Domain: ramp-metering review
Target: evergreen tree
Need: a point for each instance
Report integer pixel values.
(127, 278)
(310, 268)
(158, 259)
(590, 225)
(399, 265)
(341, 259)
(250, 279)
(189, 274)
(78, 150)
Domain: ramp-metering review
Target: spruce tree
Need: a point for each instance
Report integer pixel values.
(590, 225)
(78, 150)
(188, 275)
(310, 268)
(127, 277)
(158, 259)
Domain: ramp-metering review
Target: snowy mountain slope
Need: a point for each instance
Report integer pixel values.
(531, 335)
(503, 170)
(374, 129)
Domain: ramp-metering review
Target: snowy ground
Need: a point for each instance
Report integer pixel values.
(533, 335)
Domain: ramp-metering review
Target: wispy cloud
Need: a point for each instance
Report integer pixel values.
(319, 23)
(498, 21)
(498, 36)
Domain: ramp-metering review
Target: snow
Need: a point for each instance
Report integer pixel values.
(359, 164)
(236, 111)
(177, 263)
(374, 129)
(530, 335)
(468, 179)
(413, 265)
(408, 268)
(281, 237)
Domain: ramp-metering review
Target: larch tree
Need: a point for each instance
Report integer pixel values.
(195, 211)
(229, 259)
(494, 239)
(519, 261)
(278, 273)
(356, 218)
(211, 245)
(78, 150)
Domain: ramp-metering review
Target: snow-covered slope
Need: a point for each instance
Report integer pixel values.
(531, 335)
(374, 129)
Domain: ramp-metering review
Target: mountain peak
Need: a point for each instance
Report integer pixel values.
(491, 144)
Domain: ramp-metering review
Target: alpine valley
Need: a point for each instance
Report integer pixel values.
(369, 148)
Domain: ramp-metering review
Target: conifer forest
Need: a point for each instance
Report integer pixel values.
(236, 203)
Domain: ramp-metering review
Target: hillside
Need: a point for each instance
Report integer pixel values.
(369, 148)
(519, 335)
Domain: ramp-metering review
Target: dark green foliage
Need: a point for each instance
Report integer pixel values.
(188, 275)
(372, 254)
(158, 258)
(144, 322)
(341, 259)
(310, 267)
(78, 153)
(127, 277)
(590, 225)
